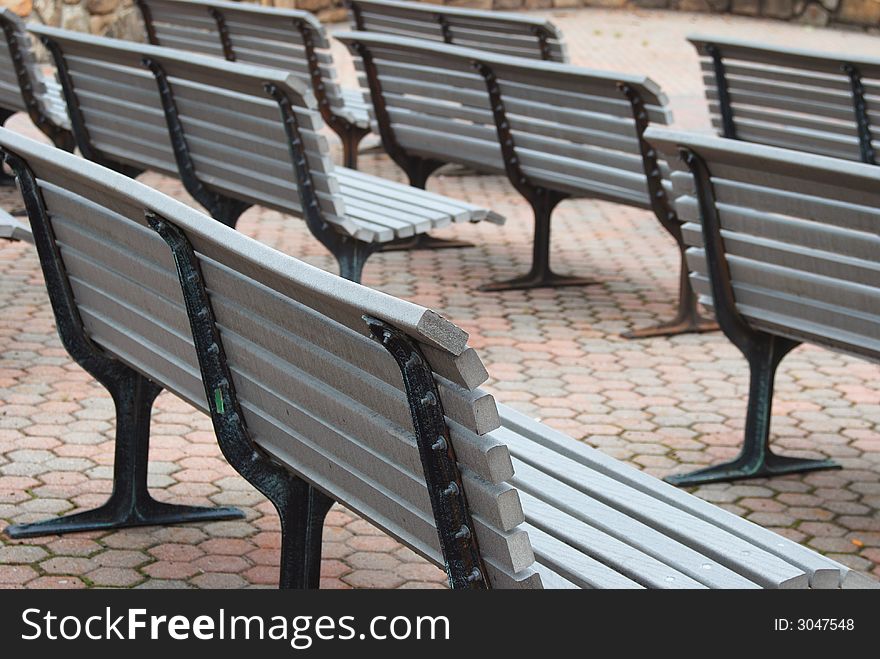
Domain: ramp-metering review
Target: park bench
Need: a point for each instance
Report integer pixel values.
(516, 35)
(12, 228)
(794, 98)
(23, 88)
(322, 390)
(236, 135)
(784, 248)
(556, 131)
(289, 39)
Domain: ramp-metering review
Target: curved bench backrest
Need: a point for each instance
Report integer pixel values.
(801, 238)
(790, 97)
(573, 129)
(233, 128)
(517, 35)
(264, 36)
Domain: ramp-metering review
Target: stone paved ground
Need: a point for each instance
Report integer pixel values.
(664, 405)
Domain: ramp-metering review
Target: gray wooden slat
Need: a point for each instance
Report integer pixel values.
(792, 231)
(824, 572)
(576, 568)
(13, 229)
(719, 547)
(818, 202)
(837, 81)
(773, 117)
(551, 580)
(836, 328)
(620, 556)
(625, 527)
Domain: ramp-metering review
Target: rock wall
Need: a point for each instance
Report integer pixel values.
(119, 18)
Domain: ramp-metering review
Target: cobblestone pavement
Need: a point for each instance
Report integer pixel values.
(664, 405)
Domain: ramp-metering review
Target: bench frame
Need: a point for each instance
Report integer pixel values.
(130, 503)
(350, 134)
(763, 351)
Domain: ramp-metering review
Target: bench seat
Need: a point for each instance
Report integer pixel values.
(11, 228)
(291, 40)
(595, 522)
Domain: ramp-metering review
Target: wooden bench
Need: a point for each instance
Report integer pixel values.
(321, 389)
(236, 135)
(516, 35)
(556, 131)
(785, 249)
(23, 88)
(793, 98)
(289, 39)
(13, 229)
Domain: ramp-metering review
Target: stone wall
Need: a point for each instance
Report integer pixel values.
(119, 18)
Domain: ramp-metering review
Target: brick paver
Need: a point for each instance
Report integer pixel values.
(664, 405)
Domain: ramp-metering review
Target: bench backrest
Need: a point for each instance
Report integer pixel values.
(10, 85)
(790, 97)
(251, 34)
(315, 391)
(573, 129)
(518, 35)
(801, 237)
(232, 127)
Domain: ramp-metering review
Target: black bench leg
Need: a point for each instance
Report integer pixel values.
(756, 459)
(540, 275)
(351, 255)
(225, 209)
(302, 509)
(130, 504)
(687, 319)
(351, 138)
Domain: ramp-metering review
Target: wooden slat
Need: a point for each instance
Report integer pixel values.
(624, 527)
(578, 569)
(621, 557)
(716, 546)
(824, 572)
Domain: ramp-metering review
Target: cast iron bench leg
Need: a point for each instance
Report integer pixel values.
(130, 504)
(687, 318)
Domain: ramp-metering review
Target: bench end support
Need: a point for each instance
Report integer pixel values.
(301, 507)
(764, 352)
(452, 517)
(130, 504)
